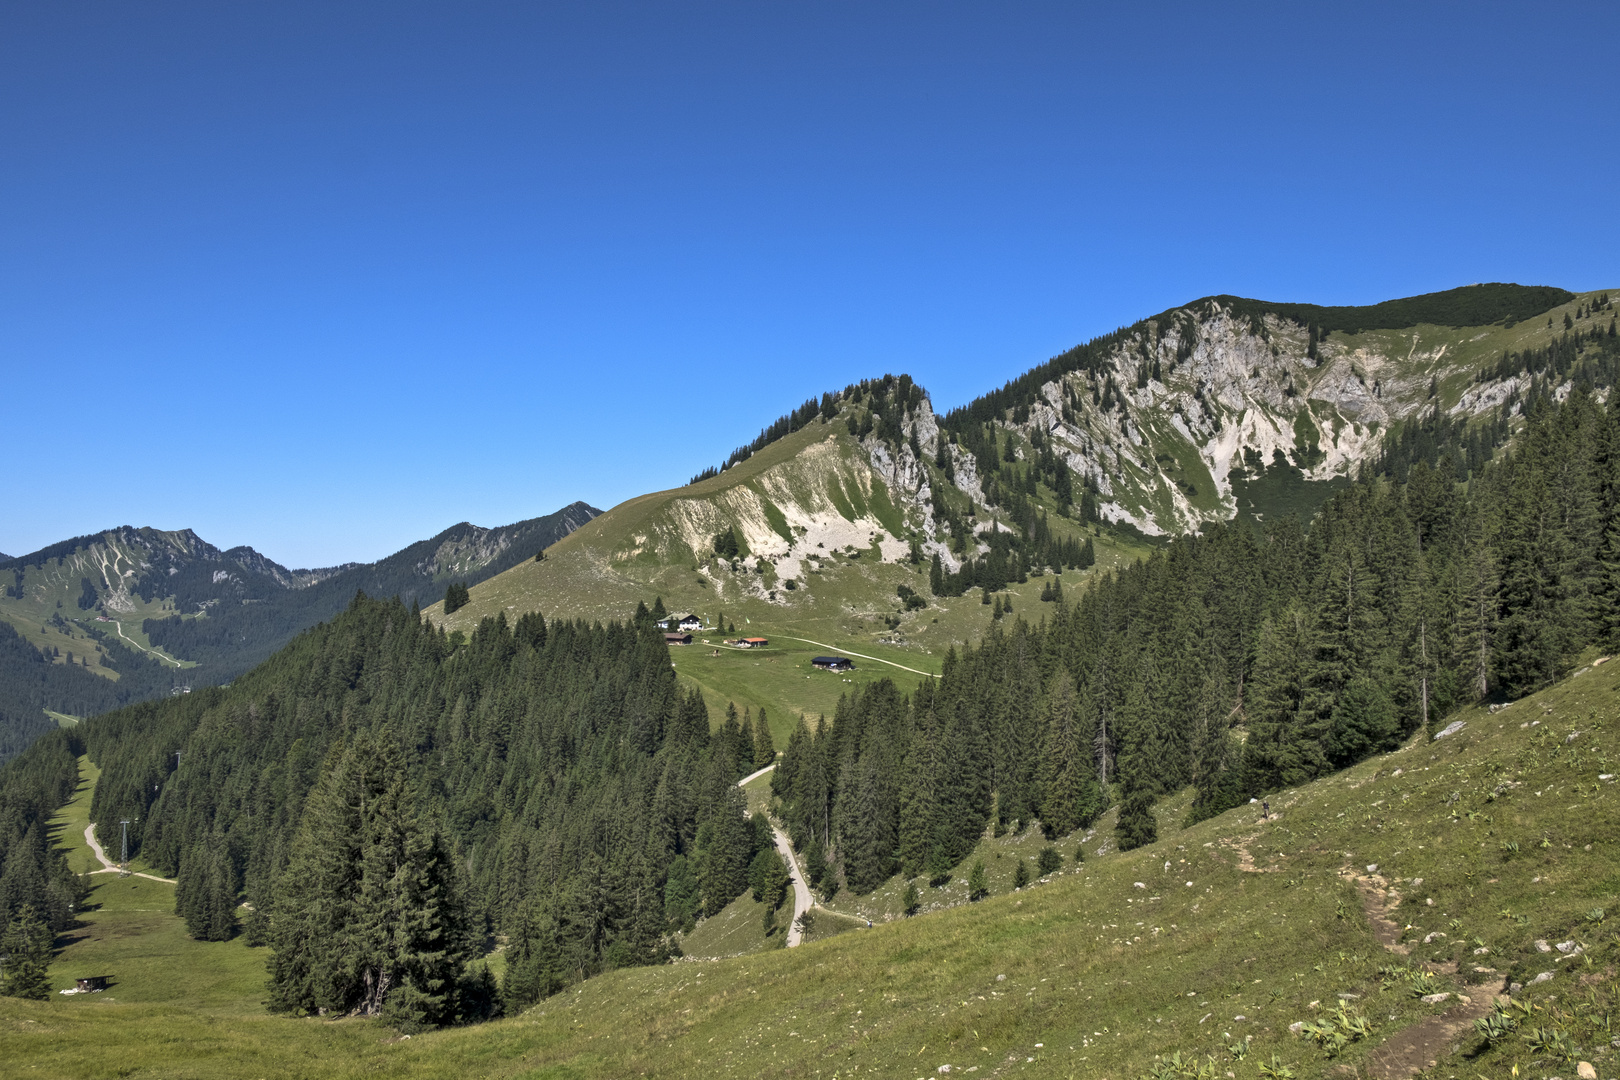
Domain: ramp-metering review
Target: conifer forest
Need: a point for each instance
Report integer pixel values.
(391, 799)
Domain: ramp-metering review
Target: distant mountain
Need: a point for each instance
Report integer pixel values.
(132, 613)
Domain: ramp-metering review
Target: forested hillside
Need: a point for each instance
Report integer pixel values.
(392, 795)
(555, 781)
(35, 882)
(100, 621)
(34, 679)
(1239, 661)
(552, 784)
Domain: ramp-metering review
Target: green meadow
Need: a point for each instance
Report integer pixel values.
(1435, 869)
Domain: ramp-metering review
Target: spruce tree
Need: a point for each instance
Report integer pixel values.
(768, 877)
(725, 847)
(978, 885)
(1534, 631)
(745, 742)
(1217, 754)
(206, 894)
(368, 916)
(1070, 796)
(764, 748)
(867, 837)
(26, 945)
(1137, 825)
(1287, 733)
(1049, 861)
(919, 798)
(911, 900)
(1364, 722)
(682, 898)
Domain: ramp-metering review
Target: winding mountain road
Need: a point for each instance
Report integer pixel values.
(150, 652)
(802, 900)
(110, 867)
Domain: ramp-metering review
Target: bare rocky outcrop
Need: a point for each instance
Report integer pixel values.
(1216, 385)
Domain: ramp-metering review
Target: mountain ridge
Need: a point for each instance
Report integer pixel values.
(1213, 409)
(140, 612)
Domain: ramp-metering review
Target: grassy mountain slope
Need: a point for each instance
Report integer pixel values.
(815, 508)
(1437, 869)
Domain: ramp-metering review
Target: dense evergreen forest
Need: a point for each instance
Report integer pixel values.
(1240, 662)
(549, 783)
(391, 799)
(38, 893)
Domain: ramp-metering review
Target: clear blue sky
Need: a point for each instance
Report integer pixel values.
(325, 278)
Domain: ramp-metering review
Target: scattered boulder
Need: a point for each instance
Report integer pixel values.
(1435, 999)
(1585, 1071)
(1543, 977)
(1564, 946)
(1296, 1027)
(1542, 946)
(1451, 728)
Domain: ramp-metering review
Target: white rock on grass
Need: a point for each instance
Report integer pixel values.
(1435, 999)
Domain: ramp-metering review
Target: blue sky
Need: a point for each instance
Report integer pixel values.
(326, 278)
